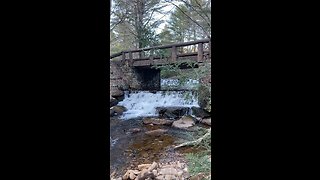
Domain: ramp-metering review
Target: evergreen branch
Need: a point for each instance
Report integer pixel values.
(189, 17)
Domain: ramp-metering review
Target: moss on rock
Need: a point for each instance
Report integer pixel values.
(204, 98)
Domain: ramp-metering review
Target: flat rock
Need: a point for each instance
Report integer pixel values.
(132, 175)
(143, 166)
(118, 109)
(153, 166)
(206, 121)
(160, 177)
(115, 92)
(157, 132)
(170, 177)
(134, 130)
(199, 112)
(145, 174)
(155, 172)
(183, 122)
(168, 171)
(166, 177)
(156, 121)
(136, 172)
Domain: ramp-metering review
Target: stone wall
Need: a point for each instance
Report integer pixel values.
(116, 79)
(205, 91)
(123, 77)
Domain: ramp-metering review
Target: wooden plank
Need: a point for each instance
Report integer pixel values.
(163, 47)
(170, 45)
(194, 54)
(188, 54)
(141, 63)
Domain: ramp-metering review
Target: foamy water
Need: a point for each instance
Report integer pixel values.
(144, 103)
(168, 83)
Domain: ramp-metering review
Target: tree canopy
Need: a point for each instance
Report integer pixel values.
(143, 23)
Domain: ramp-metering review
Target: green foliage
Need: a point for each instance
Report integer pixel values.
(133, 24)
(190, 20)
(183, 75)
(198, 163)
(188, 95)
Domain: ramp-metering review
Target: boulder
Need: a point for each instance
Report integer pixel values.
(118, 109)
(120, 98)
(113, 101)
(143, 166)
(134, 130)
(153, 166)
(111, 112)
(206, 121)
(115, 92)
(172, 112)
(132, 175)
(199, 112)
(168, 171)
(145, 174)
(184, 122)
(204, 97)
(155, 172)
(156, 121)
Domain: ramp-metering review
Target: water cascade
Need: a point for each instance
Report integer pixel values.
(144, 103)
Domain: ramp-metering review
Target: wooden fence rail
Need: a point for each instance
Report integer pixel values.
(173, 54)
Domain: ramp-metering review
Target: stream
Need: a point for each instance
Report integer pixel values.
(130, 145)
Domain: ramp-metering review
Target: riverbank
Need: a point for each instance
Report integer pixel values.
(140, 143)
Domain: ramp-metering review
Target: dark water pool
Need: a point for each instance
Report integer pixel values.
(131, 149)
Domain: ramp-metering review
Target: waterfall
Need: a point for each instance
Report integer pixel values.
(144, 103)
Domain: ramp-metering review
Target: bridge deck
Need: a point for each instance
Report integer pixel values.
(200, 56)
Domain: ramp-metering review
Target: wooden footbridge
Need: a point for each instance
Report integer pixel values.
(150, 56)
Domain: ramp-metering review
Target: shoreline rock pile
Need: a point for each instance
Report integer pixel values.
(158, 171)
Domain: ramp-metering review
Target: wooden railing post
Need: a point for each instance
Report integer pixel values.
(151, 56)
(200, 52)
(123, 56)
(174, 54)
(130, 59)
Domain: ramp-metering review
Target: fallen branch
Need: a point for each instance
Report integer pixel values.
(195, 142)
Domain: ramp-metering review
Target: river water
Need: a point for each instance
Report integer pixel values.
(130, 149)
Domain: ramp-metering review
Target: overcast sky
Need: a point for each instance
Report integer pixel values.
(166, 14)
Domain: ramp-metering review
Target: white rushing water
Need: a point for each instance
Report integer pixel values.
(168, 83)
(144, 103)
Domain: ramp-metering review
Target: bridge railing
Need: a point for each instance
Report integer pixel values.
(174, 55)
